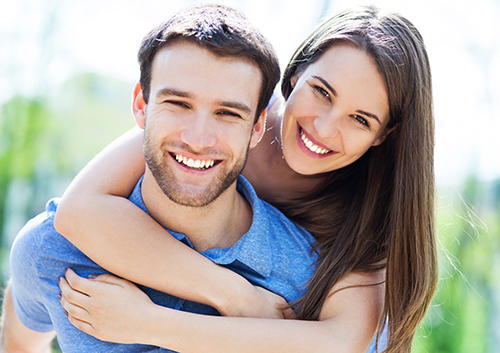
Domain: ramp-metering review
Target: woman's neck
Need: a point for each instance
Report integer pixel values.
(267, 169)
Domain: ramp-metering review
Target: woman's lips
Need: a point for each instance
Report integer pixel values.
(310, 146)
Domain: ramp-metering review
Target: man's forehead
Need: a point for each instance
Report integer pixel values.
(189, 68)
(181, 44)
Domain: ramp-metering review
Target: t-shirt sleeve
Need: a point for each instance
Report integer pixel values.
(25, 282)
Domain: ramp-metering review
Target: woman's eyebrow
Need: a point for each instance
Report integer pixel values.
(325, 82)
(370, 115)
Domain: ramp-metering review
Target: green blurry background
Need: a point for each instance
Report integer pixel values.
(67, 69)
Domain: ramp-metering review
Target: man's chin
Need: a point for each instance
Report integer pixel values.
(192, 196)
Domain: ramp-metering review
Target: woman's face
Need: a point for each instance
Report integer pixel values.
(337, 110)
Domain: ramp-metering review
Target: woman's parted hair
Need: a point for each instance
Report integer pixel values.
(221, 30)
(381, 206)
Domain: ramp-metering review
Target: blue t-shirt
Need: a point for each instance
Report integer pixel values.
(275, 254)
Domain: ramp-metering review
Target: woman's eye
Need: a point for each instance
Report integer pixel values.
(321, 91)
(361, 120)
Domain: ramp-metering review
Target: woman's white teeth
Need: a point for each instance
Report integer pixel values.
(192, 163)
(314, 148)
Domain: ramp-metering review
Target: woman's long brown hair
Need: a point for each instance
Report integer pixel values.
(380, 207)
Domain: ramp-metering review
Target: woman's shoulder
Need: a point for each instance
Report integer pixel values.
(361, 292)
(355, 279)
(364, 278)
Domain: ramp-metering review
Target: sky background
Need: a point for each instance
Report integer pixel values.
(43, 43)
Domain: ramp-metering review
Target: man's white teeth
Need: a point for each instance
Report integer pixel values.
(197, 164)
(314, 148)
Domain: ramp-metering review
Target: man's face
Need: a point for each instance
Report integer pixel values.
(199, 122)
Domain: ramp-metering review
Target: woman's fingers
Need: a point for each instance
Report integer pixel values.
(106, 307)
(92, 284)
(76, 316)
(81, 325)
(71, 295)
(78, 283)
(72, 302)
(110, 279)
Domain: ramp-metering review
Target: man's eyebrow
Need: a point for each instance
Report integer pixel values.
(370, 115)
(235, 105)
(325, 82)
(172, 92)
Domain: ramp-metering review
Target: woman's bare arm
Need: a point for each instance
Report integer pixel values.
(115, 310)
(347, 323)
(96, 216)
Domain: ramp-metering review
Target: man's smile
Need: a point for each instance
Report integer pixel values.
(200, 164)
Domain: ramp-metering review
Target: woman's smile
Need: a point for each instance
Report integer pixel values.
(311, 146)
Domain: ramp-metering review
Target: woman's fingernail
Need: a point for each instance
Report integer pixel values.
(59, 296)
(93, 276)
(66, 313)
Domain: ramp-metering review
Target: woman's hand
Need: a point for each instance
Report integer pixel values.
(107, 307)
(113, 309)
(257, 302)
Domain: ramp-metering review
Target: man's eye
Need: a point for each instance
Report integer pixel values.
(178, 103)
(229, 113)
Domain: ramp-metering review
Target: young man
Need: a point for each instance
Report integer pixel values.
(206, 77)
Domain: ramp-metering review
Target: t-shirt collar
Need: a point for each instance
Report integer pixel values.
(253, 249)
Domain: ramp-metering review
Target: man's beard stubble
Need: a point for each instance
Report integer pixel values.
(155, 160)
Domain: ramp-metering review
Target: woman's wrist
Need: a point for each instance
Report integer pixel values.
(232, 293)
(153, 331)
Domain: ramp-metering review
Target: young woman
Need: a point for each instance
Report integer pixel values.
(348, 155)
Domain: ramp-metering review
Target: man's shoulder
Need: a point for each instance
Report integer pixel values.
(27, 270)
(31, 235)
(38, 246)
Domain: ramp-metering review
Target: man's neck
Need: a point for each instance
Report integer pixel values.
(218, 225)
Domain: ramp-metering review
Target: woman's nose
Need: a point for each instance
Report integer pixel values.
(328, 125)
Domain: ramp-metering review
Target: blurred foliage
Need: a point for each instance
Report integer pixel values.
(22, 127)
(45, 141)
(465, 310)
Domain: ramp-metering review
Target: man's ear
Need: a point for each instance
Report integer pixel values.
(258, 129)
(384, 135)
(139, 106)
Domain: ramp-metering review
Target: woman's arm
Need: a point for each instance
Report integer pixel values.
(95, 215)
(115, 310)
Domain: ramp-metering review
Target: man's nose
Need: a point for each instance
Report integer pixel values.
(199, 131)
